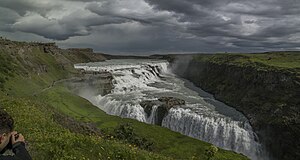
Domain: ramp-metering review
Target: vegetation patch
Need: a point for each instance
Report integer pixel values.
(125, 132)
(284, 61)
(6, 68)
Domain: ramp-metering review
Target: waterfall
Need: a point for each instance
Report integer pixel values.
(139, 80)
(115, 107)
(220, 131)
(152, 118)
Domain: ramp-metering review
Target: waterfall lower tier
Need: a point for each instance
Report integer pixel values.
(219, 131)
(201, 117)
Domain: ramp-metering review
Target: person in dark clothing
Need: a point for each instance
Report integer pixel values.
(10, 139)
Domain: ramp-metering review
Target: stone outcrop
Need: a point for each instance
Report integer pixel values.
(89, 50)
(51, 48)
(171, 102)
(44, 52)
(98, 84)
(82, 55)
(164, 104)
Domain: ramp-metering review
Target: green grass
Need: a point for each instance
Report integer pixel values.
(28, 77)
(277, 59)
(289, 61)
(48, 140)
(6, 68)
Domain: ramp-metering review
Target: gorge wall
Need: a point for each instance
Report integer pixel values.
(268, 96)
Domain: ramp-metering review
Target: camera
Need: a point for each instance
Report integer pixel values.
(9, 146)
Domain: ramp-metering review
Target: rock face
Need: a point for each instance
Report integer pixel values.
(163, 104)
(269, 98)
(51, 48)
(21, 52)
(81, 55)
(171, 102)
(97, 84)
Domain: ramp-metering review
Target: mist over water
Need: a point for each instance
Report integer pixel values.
(202, 116)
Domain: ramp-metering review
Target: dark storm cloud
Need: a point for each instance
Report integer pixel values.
(178, 6)
(258, 24)
(22, 6)
(62, 29)
(157, 25)
(266, 8)
(7, 20)
(33, 19)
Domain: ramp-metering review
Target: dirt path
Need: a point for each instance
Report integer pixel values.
(52, 85)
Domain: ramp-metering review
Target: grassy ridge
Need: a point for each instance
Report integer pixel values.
(270, 60)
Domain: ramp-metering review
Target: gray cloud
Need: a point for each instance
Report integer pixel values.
(23, 6)
(7, 20)
(156, 25)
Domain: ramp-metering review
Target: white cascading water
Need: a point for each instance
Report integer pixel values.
(202, 117)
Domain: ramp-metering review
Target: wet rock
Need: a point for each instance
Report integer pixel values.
(164, 104)
(147, 105)
(171, 102)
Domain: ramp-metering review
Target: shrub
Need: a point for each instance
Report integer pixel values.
(211, 152)
(125, 132)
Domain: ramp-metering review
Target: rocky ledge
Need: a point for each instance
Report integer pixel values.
(163, 104)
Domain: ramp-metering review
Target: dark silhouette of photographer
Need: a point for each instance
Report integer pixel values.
(11, 140)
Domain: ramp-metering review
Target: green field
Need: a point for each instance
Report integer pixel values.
(289, 61)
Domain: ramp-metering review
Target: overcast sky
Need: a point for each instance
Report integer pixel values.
(155, 26)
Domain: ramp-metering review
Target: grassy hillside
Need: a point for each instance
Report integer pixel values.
(49, 140)
(44, 109)
(6, 68)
